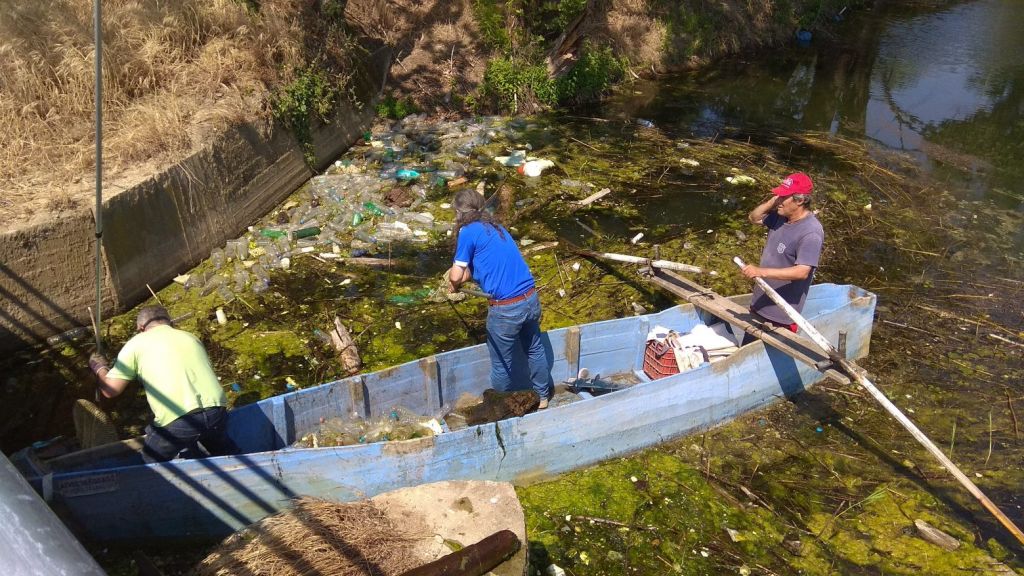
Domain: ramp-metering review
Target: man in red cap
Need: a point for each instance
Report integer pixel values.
(791, 254)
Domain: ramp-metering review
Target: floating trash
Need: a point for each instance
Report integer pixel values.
(740, 180)
(534, 168)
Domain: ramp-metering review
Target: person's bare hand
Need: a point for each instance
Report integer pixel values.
(751, 271)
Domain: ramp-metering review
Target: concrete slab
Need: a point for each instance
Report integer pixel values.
(463, 511)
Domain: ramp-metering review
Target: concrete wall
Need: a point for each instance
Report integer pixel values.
(165, 224)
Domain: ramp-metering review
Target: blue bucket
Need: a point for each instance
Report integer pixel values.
(803, 37)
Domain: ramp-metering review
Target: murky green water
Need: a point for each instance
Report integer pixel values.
(937, 98)
(911, 125)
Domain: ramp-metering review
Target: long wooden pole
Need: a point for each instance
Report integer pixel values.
(857, 373)
(664, 264)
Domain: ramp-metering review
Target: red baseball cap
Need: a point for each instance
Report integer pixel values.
(797, 183)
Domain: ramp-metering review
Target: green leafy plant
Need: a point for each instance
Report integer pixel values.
(491, 19)
(513, 84)
(593, 75)
(311, 95)
(396, 109)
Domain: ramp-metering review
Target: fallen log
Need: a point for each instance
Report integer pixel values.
(473, 560)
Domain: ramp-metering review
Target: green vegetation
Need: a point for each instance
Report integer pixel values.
(491, 19)
(592, 76)
(396, 108)
(513, 85)
(311, 96)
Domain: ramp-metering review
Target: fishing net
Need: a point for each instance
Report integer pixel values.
(93, 426)
(316, 537)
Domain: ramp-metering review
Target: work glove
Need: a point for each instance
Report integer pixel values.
(97, 361)
(443, 291)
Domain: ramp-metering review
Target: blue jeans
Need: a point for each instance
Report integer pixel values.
(207, 427)
(517, 324)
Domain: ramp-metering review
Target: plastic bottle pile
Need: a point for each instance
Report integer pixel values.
(379, 192)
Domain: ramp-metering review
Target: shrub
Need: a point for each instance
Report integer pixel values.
(515, 86)
(395, 109)
(311, 95)
(491, 19)
(594, 73)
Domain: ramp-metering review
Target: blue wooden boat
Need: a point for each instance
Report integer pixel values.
(110, 493)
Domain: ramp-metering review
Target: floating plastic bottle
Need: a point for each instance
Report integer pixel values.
(260, 272)
(69, 336)
(357, 218)
(645, 123)
(217, 258)
(241, 280)
(273, 234)
(322, 336)
(212, 284)
(373, 208)
(225, 293)
(394, 231)
(306, 232)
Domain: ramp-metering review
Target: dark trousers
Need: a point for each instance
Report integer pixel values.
(747, 338)
(206, 427)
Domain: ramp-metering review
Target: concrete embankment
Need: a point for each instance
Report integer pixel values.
(165, 224)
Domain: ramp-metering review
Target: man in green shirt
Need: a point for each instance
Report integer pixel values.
(181, 388)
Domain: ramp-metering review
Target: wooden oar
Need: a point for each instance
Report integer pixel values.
(857, 373)
(666, 264)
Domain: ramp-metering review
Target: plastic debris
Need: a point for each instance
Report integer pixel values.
(305, 232)
(534, 168)
(554, 570)
(407, 175)
(645, 123)
(516, 158)
(271, 233)
(636, 238)
(741, 180)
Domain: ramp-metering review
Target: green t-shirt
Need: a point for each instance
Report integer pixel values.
(174, 369)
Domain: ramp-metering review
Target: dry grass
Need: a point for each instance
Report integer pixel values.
(635, 34)
(174, 73)
(316, 537)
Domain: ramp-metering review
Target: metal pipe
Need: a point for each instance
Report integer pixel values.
(98, 25)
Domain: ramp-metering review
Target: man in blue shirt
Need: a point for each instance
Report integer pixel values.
(485, 252)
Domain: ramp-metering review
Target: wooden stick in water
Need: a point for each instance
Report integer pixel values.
(666, 264)
(155, 297)
(857, 373)
(95, 329)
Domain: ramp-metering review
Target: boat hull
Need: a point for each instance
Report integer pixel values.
(209, 498)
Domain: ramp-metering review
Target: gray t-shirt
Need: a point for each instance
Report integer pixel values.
(788, 244)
